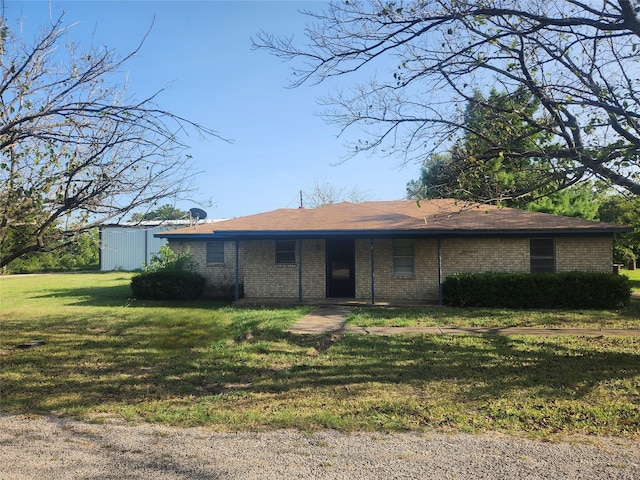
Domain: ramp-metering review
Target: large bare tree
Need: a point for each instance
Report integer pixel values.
(76, 149)
(426, 58)
(324, 193)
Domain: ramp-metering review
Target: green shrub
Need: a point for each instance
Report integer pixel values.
(169, 276)
(543, 290)
(168, 260)
(167, 285)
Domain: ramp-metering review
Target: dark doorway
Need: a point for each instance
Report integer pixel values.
(341, 279)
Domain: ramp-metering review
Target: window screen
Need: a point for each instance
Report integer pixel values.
(542, 253)
(403, 257)
(285, 252)
(215, 252)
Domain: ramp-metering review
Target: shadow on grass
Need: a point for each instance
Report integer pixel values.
(127, 362)
(95, 296)
(150, 363)
(493, 365)
(121, 295)
(632, 310)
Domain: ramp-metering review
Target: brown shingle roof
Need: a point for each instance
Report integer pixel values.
(403, 216)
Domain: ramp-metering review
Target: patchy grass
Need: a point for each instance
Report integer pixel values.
(205, 363)
(628, 317)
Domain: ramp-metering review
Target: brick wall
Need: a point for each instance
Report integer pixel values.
(422, 286)
(464, 255)
(477, 255)
(314, 269)
(263, 278)
(593, 254)
(217, 274)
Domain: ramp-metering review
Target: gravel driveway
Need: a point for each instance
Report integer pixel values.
(52, 448)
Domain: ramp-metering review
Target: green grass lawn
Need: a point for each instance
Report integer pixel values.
(628, 317)
(634, 276)
(109, 357)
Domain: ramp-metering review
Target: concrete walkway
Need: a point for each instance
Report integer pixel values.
(506, 331)
(331, 318)
(324, 319)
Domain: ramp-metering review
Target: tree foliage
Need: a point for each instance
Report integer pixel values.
(491, 131)
(466, 172)
(75, 149)
(83, 254)
(460, 174)
(165, 212)
(438, 179)
(577, 60)
(625, 211)
(582, 201)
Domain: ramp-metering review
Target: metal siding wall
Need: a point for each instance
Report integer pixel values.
(153, 243)
(124, 248)
(128, 248)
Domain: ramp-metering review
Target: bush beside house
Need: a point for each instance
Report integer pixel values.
(167, 285)
(169, 276)
(543, 290)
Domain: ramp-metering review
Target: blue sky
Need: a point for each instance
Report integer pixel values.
(200, 52)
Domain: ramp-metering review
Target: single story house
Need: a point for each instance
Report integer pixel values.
(387, 251)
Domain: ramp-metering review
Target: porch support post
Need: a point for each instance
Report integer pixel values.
(440, 299)
(373, 286)
(299, 270)
(237, 286)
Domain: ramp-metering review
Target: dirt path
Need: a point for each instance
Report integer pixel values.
(52, 448)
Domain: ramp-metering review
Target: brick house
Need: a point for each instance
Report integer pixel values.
(387, 251)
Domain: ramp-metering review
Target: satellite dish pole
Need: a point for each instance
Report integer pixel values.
(197, 213)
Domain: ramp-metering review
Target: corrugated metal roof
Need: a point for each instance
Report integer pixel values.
(398, 217)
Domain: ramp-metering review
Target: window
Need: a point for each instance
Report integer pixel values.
(542, 254)
(285, 252)
(215, 252)
(403, 257)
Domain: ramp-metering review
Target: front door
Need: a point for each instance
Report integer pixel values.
(341, 281)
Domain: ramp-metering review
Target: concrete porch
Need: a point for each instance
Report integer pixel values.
(346, 302)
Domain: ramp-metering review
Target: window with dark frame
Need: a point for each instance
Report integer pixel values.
(285, 252)
(403, 257)
(542, 255)
(215, 251)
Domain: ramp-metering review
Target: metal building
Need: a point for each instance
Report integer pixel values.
(129, 246)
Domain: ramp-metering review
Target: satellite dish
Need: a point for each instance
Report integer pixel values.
(198, 213)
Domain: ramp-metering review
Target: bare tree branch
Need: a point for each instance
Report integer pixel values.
(427, 58)
(76, 151)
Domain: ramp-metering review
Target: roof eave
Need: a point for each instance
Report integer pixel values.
(275, 234)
